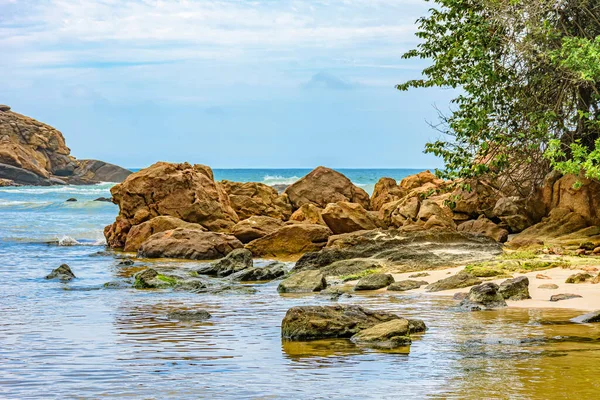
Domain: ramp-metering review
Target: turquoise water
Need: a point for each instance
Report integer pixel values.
(82, 340)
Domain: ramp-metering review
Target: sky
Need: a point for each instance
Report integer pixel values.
(226, 83)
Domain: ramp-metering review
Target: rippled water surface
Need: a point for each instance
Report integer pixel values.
(81, 340)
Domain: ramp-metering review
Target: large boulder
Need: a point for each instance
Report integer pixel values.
(323, 322)
(179, 190)
(255, 227)
(515, 289)
(140, 233)
(189, 244)
(461, 280)
(290, 241)
(575, 193)
(344, 217)
(237, 260)
(485, 227)
(386, 191)
(303, 282)
(323, 186)
(387, 335)
(309, 214)
(374, 282)
(251, 198)
(484, 297)
(512, 212)
(479, 198)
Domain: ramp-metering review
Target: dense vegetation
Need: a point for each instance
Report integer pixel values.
(529, 80)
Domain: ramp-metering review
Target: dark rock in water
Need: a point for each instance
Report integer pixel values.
(199, 315)
(564, 296)
(407, 284)
(550, 286)
(416, 325)
(588, 318)
(515, 289)
(272, 271)
(22, 176)
(104, 199)
(409, 250)
(71, 199)
(303, 282)
(4, 108)
(335, 321)
(62, 273)
(237, 260)
(460, 296)
(579, 278)
(374, 282)
(126, 262)
(483, 297)
(117, 285)
(419, 275)
(227, 289)
(102, 254)
(190, 285)
(150, 279)
(387, 335)
(461, 280)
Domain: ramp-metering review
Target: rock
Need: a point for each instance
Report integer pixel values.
(479, 200)
(564, 296)
(419, 275)
(579, 278)
(290, 240)
(512, 212)
(588, 318)
(388, 335)
(236, 261)
(374, 282)
(8, 182)
(188, 244)
(483, 297)
(460, 280)
(386, 191)
(22, 176)
(350, 267)
(407, 251)
(550, 286)
(582, 199)
(405, 285)
(542, 276)
(324, 322)
(178, 190)
(94, 171)
(140, 233)
(104, 199)
(560, 222)
(344, 217)
(62, 273)
(255, 227)
(303, 282)
(416, 325)
(485, 227)
(257, 199)
(515, 289)
(126, 262)
(267, 273)
(151, 279)
(308, 213)
(72, 199)
(460, 296)
(4, 108)
(199, 315)
(323, 186)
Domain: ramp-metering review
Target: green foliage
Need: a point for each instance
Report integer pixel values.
(529, 80)
(362, 274)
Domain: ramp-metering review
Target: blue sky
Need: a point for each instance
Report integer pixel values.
(230, 84)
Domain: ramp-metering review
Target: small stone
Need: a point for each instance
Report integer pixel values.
(199, 315)
(419, 275)
(62, 273)
(550, 286)
(104, 199)
(72, 199)
(126, 262)
(4, 108)
(590, 269)
(542, 276)
(374, 282)
(408, 284)
(581, 252)
(515, 289)
(581, 277)
(564, 296)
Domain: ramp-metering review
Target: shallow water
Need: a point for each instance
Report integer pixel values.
(81, 340)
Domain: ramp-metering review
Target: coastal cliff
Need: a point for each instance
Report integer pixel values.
(33, 153)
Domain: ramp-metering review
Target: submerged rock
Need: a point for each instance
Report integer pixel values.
(484, 297)
(387, 335)
(303, 282)
(407, 284)
(374, 282)
(267, 273)
(460, 280)
(62, 273)
(188, 244)
(515, 289)
(588, 318)
(236, 261)
(70, 200)
(564, 296)
(199, 315)
(335, 321)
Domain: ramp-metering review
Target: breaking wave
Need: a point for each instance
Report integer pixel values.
(279, 180)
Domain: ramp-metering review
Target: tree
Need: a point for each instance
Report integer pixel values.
(529, 74)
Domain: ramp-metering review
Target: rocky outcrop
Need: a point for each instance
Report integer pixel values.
(460, 280)
(485, 227)
(257, 199)
(303, 282)
(344, 217)
(188, 244)
(324, 322)
(140, 233)
(386, 191)
(33, 153)
(323, 186)
(374, 282)
(255, 227)
(309, 214)
(404, 251)
(576, 194)
(179, 190)
(483, 297)
(290, 241)
(387, 335)
(62, 273)
(515, 289)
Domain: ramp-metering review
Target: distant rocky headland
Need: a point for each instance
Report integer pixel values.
(33, 153)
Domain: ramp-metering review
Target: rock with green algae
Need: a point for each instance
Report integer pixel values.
(582, 277)
(303, 282)
(150, 279)
(62, 273)
(235, 261)
(515, 289)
